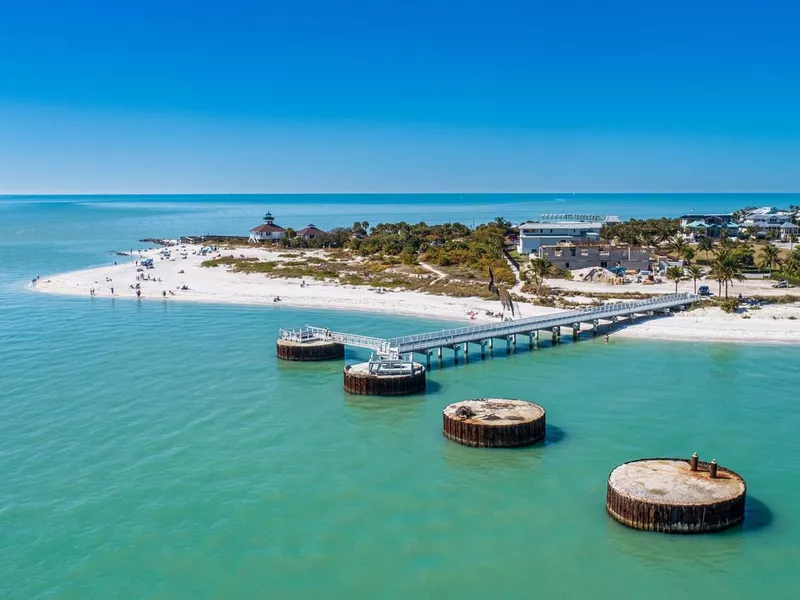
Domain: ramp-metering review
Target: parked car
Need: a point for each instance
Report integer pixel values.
(781, 284)
(703, 290)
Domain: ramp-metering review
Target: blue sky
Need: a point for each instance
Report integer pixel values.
(357, 96)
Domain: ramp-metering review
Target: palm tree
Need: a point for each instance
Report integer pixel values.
(695, 272)
(688, 254)
(677, 244)
(726, 269)
(675, 273)
(705, 244)
(770, 258)
(540, 268)
(792, 264)
(502, 223)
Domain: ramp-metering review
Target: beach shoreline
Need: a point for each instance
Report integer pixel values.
(771, 324)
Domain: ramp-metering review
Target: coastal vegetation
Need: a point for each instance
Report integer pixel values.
(647, 232)
(348, 269)
(462, 252)
(456, 260)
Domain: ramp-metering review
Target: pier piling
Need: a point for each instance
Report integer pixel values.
(494, 423)
(673, 495)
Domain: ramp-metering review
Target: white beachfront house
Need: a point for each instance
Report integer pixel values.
(560, 229)
(267, 231)
(770, 223)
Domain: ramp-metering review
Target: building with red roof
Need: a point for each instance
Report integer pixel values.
(268, 230)
(310, 232)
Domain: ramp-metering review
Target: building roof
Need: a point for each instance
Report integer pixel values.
(570, 224)
(267, 228)
(310, 228)
(788, 225)
(705, 215)
(697, 224)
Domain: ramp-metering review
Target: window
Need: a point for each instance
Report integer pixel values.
(603, 264)
(572, 251)
(566, 265)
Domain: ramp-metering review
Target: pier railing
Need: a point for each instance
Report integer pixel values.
(424, 341)
(450, 337)
(309, 333)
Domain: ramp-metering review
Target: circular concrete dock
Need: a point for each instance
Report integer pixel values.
(359, 380)
(309, 351)
(494, 423)
(667, 495)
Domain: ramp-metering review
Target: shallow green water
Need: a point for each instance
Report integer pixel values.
(153, 450)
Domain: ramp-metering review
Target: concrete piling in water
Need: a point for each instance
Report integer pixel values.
(494, 423)
(359, 379)
(309, 351)
(673, 495)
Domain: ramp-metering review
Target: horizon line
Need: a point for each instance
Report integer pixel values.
(418, 193)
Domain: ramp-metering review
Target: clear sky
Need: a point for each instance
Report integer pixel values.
(377, 96)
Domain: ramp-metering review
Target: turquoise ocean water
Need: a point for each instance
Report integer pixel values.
(159, 450)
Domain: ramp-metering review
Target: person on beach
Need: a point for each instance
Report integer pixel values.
(606, 338)
(112, 291)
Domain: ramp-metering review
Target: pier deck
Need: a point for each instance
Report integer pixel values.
(482, 334)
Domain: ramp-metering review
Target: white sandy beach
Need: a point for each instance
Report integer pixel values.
(769, 324)
(218, 285)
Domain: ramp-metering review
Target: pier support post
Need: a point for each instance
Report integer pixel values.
(491, 344)
(576, 331)
(455, 355)
(536, 339)
(595, 324)
(530, 341)
(439, 353)
(483, 349)
(428, 359)
(556, 334)
(466, 351)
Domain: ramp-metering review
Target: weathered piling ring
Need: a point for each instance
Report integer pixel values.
(674, 495)
(359, 380)
(310, 350)
(494, 423)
